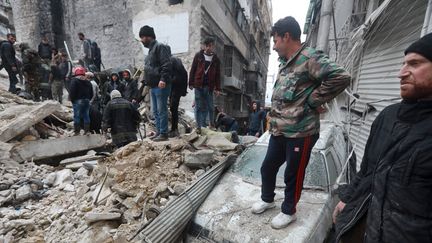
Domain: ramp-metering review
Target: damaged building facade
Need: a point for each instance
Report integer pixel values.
(241, 29)
(6, 23)
(368, 38)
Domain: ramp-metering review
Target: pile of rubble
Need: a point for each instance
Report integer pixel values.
(98, 197)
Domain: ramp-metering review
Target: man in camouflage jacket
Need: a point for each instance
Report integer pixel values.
(306, 80)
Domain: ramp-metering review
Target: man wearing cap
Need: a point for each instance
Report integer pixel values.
(390, 199)
(80, 94)
(157, 71)
(122, 118)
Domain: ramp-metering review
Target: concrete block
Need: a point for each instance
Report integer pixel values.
(95, 217)
(63, 177)
(198, 159)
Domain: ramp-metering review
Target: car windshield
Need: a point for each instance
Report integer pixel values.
(249, 163)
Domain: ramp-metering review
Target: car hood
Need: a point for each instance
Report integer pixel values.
(226, 214)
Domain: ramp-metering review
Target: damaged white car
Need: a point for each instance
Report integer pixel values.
(226, 216)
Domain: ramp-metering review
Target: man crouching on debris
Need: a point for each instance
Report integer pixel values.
(81, 92)
(123, 118)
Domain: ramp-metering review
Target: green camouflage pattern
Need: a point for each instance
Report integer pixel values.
(304, 82)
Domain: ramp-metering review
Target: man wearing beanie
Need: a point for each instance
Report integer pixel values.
(157, 71)
(123, 118)
(390, 199)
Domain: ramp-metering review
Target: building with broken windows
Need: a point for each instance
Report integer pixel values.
(369, 38)
(241, 29)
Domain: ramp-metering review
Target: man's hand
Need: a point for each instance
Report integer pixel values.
(257, 134)
(339, 207)
(217, 92)
(133, 101)
(190, 87)
(14, 69)
(162, 84)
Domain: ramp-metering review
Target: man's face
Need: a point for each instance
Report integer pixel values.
(114, 78)
(12, 39)
(81, 37)
(146, 40)
(416, 77)
(254, 106)
(208, 48)
(126, 75)
(280, 44)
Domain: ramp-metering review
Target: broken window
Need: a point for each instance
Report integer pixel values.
(228, 56)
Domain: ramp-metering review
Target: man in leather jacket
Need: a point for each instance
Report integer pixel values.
(390, 199)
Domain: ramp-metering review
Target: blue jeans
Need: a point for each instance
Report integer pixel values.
(160, 107)
(204, 106)
(81, 110)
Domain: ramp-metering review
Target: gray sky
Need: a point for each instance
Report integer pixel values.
(282, 8)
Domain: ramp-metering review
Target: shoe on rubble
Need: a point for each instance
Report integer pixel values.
(153, 135)
(173, 134)
(161, 137)
(261, 206)
(282, 220)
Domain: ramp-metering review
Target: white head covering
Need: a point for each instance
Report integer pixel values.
(115, 94)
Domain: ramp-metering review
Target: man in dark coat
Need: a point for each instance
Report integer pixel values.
(123, 119)
(256, 120)
(9, 61)
(81, 92)
(179, 89)
(131, 92)
(157, 74)
(390, 199)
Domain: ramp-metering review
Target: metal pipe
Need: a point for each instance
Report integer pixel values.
(324, 25)
(372, 5)
(170, 224)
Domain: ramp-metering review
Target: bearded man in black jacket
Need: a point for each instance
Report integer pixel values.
(390, 199)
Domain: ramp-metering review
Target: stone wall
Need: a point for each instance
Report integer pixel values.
(32, 19)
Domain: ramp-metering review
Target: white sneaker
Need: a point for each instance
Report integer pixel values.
(282, 220)
(261, 206)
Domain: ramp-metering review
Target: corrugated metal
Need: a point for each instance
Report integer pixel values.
(395, 29)
(170, 224)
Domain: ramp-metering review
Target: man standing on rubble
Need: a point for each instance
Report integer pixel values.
(122, 118)
(204, 77)
(81, 92)
(306, 80)
(157, 71)
(9, 62)
(131, 92)
(390, 198)
(31, 70)
(179, 89)
(87, 55)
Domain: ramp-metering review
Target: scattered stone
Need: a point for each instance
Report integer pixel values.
(95, 217)
(121, 192)
(200, 141)
(190, 137)
(147, 161)
(63, 176)
(82, 190)
(198, 159)
(69, 188)
(5, 193)
(50, 179)
(23, 193)
(81, 173)
(179, 188)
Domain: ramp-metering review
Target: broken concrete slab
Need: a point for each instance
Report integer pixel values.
(200, 141)
(77, 166)
(48, 148)
(198, 159)
(25, 120)
(95, 217)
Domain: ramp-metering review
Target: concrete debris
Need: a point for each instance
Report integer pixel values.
(42, 203)
(23, 121)
(95, 217)
(198, 159)
(42, 149)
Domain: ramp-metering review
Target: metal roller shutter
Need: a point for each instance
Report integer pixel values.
(393, 32)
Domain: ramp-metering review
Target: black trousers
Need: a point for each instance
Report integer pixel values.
(295, 152)
(174, 105)
(13, 80)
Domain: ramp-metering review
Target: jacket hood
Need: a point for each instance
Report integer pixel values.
(130, 74)
(115, 74)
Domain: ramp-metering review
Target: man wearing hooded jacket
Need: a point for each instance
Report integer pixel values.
(390, 199)
(131, 92)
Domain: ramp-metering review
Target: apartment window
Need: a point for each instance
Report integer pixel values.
(228, 63)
